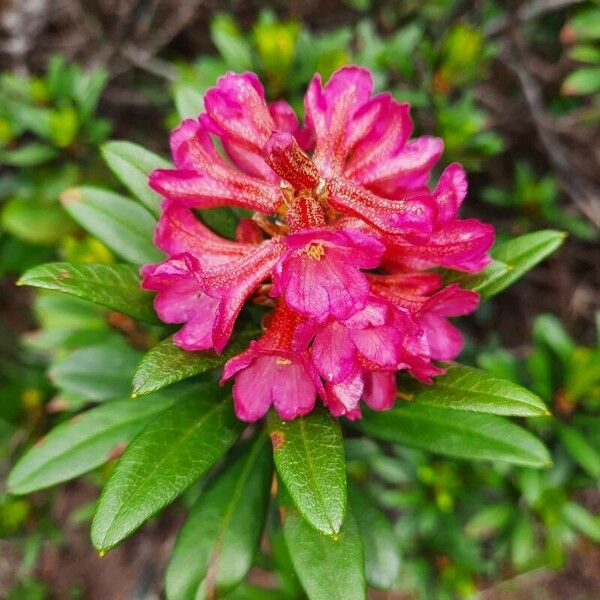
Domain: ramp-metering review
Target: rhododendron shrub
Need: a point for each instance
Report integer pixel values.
(344, 233)
(311, 267)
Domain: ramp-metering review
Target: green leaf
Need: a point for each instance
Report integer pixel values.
(216, 545)
(482, 281)
(309, 456)
(580, 450)
(83, 443)
(230, 43)
(522, 542)
(98, 373)
(166, 363)
(132, 164)
(170, 454)
(512, 260)
(523, 253)
(456, 433)
(584, 25)
(469, 389)
(582, 520)
(114, 286)
(582, 82)
(329, 568)
(36, 222)
(189, 102)
(31, 155)
(221, 220)
(382, 557)
(123, 225)
(490, 519)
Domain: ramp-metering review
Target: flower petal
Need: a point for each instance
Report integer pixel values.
(450, 192)
(407, 169)
(180, 231)
(342, 399)
(233, 282)
(391, 216)
(460, 245)
(237, 111)
(380, 390)
(333, 352)
(329, 112)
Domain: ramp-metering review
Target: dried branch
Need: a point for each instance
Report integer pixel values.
(583, 192)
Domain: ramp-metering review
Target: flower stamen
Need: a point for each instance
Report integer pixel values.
(315, 251)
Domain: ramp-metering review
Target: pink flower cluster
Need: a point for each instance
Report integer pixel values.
(343, 235)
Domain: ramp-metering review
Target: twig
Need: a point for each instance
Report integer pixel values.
(583, 193)
(525, 13)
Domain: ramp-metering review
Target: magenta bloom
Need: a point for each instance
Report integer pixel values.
(344, 235)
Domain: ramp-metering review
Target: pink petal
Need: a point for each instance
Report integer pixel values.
(263, 379)
(408, 169)
(460, 245)
(233, 283)
(285, 119)
(380, 390)
(452, 301)
(294, 393)
(378, 344)
(216, 187)
(181, 300)
(385, 139)
(390, 216)
(179, 231)
(450, 192)
(343, 398)
(253, 389)
(330, 283)
(329, 111)
(333, 352)
(445, 340)
(237, 111)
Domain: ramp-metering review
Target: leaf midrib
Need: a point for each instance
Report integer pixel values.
(475, 433)
(227, 516)
(312, 473)
(133, 496)
(94, 437)
(461, 377)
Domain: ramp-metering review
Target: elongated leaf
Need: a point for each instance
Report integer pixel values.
(582, 520)
(456, 433)
(100, 372)
(132, 164)
(484, 280)
(215, 546)
(166, 363)
(512, 259)
(329, 568)
(382, 557)
(309, 456)
(580, 450)
(83, 443)
(473, 390)
(189, 102)
(170, 454)
(521, 255)
(123, 225)
(114, 286)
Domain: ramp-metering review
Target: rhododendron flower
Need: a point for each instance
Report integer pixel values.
(339, 250)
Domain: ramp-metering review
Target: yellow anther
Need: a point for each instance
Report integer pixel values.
(315, 251)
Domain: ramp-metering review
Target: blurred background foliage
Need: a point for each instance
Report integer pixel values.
(514, 90)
